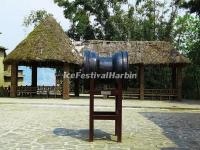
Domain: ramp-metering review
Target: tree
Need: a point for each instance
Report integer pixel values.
(93, 19)
(35, 17)
(192, 5)
(191, 39)
(108, 20)
(156, 24)
(186, 32)
(186, 39)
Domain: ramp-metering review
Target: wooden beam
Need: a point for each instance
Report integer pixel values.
(34, 76)
(179, 82)
(119, 110)
(76, 83)
(66, 81)
(14, 72)
(76, 87)
(91, 119)
(141, 81)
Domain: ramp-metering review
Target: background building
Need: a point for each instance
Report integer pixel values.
(2, 55)
(5, 71)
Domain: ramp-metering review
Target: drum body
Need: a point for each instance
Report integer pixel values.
(117, 63)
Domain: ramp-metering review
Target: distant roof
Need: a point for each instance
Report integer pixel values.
(140, 52)
(47, 43)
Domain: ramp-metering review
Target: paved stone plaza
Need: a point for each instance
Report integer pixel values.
(59, 124)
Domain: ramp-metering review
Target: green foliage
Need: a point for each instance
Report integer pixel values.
(190, 44)
(35, 17)
(157, 77)
(193, 29)
(191, 82)
(186, 32)
(118, 19)
(92, 19)
(157, 18)
(187, 39)
(187, 36)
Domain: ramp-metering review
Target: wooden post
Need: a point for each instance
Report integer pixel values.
(14, 72)
(66, 81)
(141, 79)
(179, 82)
(119, 111)
(34, 80)
(76, 87)
(116, 106)
(34, 76)
(76, 84)
(174, 85)
(91, 119)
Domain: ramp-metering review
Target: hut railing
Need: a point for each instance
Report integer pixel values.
(4, 91)
(160, 94)
(131, 93)
(55, 91)
(157, 94)
(47, 91)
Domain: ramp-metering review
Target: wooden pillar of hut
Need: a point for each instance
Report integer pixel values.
(174, 85)
(76, 83)
(34, 76)
(14, 72)
(141, 81)
(179, 82)
(34, 80)
(66, 81)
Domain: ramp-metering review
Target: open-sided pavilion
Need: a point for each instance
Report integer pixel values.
(46, 46)
(144, 54)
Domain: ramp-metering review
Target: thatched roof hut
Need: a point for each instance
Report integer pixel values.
(46, 44)
(140, 52)
(143, 54)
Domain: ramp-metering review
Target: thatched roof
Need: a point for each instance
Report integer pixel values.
(140, 52)
(47, 43)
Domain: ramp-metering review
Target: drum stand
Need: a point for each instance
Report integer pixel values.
(106, 115)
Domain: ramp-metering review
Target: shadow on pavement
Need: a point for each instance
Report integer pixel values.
(181, 128)
(82, 134)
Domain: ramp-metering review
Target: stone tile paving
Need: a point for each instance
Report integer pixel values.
(55, 124)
